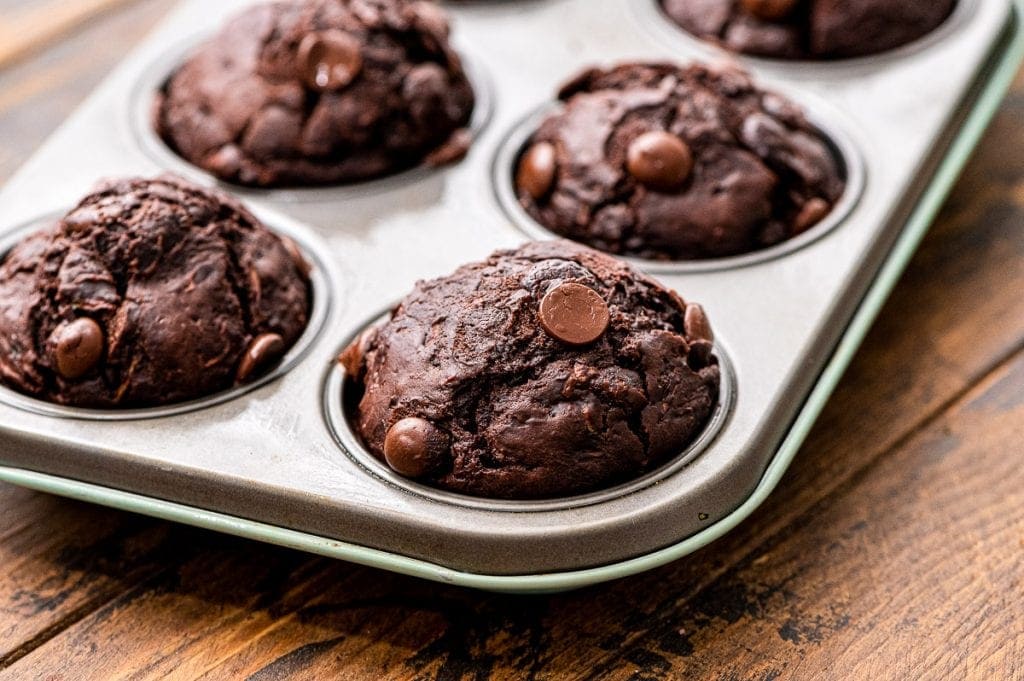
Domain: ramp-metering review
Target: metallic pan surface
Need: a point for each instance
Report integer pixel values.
(266, 463)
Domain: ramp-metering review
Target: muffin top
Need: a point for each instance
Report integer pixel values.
(149, 292)
(672, 163)
(320, 92)
(812, 29)
(547, 371)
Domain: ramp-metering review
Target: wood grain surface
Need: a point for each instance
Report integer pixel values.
(893, 549)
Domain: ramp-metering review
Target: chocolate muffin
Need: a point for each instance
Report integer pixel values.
(809, 29)
(320, 92)
(547, 371)
(149, 292)
(672, 163)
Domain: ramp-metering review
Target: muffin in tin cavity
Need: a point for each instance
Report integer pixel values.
(666, 162)
(150, 292)
(320, 92)
(548, 371)
(809, 29)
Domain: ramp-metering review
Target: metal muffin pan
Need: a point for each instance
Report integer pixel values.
(266, 463)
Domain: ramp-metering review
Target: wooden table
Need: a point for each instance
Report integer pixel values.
(894, 548)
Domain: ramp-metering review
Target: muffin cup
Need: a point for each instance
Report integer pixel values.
(826, 123)
(141, 111)
(338, 407)
(322, 301)
(651, 15)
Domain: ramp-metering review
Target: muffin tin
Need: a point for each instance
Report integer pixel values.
(276, 461)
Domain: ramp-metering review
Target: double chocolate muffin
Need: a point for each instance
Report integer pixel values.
(672, 163)
(809, 29)
(320, 92)
(149, 292)
(547, 371)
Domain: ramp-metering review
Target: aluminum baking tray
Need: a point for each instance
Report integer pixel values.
(276, 462)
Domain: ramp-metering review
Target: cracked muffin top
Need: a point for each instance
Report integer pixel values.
(149, 292)
(547, 371)
(320, 92)
(809, 29)
(672, 163)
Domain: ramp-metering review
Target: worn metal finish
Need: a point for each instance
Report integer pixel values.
(278, 454)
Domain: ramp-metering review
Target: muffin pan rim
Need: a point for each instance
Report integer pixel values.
(338, 420)
(840, 142)
(657, 23)
(322, 287)
(140, 112)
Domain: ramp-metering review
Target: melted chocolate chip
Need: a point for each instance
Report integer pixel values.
(537, 169)
(352, 357)
(414, 447)
(77, 347)
(659, 160)
(263, 350)
(574, 314)
(696, 324)
(813, 212)
(329, 60)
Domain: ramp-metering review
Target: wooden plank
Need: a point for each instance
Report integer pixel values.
(38, 94)
(32, 29)
(62, 559)
(917, 570)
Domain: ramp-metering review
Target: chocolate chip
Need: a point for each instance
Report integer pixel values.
(451, 150)
(696, 324)
(659, 160)
(414, 447)
(263, 350)
(226, 161)
(811, 214)
(424, 87)
(431, 19)
(677, 300)
(295, 253)
(770, 10)
(699, 355)
(574, 314)
(329, 60)
(352, 357)
(77, 347)
(537, 169)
